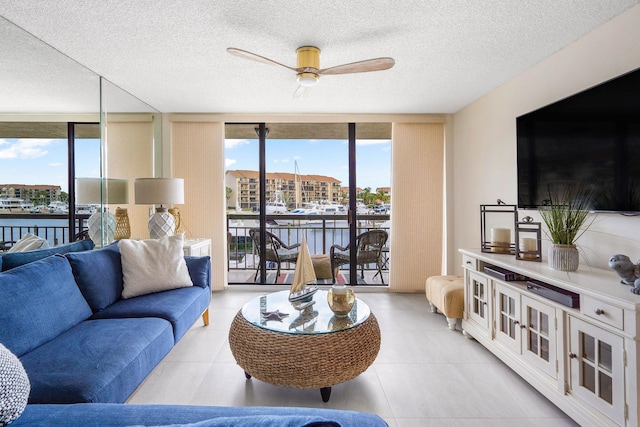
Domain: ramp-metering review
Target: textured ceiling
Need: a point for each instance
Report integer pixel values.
(172, 54)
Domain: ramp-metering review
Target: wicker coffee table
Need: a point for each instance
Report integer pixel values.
(307, 349)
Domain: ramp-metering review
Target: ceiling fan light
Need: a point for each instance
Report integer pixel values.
(307, 79)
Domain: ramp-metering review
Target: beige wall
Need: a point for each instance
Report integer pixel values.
(197, 156)
(485, 134)
(129, 155)
(417, 207)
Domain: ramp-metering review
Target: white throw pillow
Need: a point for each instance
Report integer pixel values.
(154, 265)
(29, 242)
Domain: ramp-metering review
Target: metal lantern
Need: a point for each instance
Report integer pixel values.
(497, 228)
(528, 240)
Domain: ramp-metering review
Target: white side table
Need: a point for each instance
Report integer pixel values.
(197, 247)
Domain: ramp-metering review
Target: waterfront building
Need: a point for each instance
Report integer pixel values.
(294, 189)
(50, 193)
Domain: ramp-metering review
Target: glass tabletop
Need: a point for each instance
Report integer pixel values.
(315, 319)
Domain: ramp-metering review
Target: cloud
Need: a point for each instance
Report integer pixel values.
(232, 143)
(56, 164)
(229, 162)
(25, 148)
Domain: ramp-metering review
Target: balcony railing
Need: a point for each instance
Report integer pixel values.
(54, 228)
(320, 231)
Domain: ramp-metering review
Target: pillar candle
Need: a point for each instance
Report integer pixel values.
(500, 240)
(528, 244)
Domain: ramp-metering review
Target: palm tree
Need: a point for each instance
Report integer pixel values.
(41, 197)
(382, 197)
(366, 196)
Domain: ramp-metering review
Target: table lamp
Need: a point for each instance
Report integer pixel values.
(96, 191)
(160, 191)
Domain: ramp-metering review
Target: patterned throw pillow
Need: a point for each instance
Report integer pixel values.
(14, 387)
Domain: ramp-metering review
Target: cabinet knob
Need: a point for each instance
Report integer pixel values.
(599, 311)
(516, 322)
(468, 262)
(572, 356)
(523, 326)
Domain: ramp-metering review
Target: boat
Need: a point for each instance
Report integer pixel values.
(86, 209)
(58, 207)
(304, 214)
(362, 209)
(277, 205)
(14, 204)
(303, 285)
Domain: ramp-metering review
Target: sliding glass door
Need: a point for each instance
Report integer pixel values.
(289, 182)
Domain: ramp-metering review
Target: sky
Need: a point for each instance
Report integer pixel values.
(316, 157)
(44, 161)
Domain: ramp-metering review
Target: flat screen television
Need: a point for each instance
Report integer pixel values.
(590, 139)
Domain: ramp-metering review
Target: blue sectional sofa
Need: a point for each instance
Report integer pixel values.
(77, 339)
(112, 415)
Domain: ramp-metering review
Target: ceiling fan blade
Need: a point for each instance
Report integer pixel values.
(376, 64)
(255, 57)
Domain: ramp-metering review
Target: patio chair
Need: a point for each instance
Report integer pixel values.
(277, 251)
(368, 251)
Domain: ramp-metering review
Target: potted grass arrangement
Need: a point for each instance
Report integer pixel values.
(566, 216)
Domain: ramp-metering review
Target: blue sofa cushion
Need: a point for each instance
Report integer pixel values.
(98, 274)
(109, 415)
(15, 259)
(199, 270)
(180, 306)
(97, 360)
(38, 302)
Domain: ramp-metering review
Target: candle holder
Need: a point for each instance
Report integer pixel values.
(496, 228)
(341, 300)
(529, 238)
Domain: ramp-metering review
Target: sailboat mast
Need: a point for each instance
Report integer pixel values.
(296, 176)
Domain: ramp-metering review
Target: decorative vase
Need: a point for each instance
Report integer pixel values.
(563, 257)
(341, 300)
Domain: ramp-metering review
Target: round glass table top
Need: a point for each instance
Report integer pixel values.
(274, 312)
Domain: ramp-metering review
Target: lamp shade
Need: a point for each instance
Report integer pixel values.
(159, 191)
(102, 190)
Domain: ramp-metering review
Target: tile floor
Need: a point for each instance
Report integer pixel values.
(424, 375)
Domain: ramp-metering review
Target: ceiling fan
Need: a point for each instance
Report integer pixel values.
(308, 66)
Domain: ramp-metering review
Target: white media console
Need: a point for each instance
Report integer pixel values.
(581, 352)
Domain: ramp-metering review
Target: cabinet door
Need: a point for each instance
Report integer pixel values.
(597, 368)
(478, 299)
(507, 317)
(539, 335)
